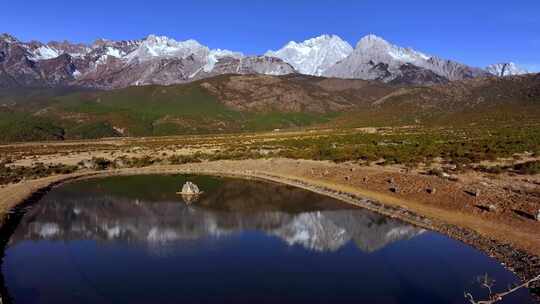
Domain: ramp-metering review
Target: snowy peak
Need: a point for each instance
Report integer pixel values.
(164, 47)
(372, 40)
(317, 41)
(377, 46)
(506, 69)
(215, 55)
(39, 51)
(45, 52)
(377, 59)
(315, 55)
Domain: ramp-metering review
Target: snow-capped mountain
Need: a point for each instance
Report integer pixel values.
(108, 64)
(314, 56)
(54, 49)
(164, 47)
(111, 64)
(376, 59)
(506, 69)
(378, 49)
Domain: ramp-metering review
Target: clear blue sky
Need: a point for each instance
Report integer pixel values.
(476, 32)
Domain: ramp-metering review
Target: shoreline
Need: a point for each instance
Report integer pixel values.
(523, 263)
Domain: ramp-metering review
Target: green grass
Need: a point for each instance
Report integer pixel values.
(169, 110)
(150, 102)
(92, 130)
(16, 126)
(458, 146)
(275, 120)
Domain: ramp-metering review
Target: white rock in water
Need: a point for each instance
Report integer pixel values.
(190, 188)
(538, 216)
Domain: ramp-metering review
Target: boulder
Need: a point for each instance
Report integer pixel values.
(190, 188)
(538, 216)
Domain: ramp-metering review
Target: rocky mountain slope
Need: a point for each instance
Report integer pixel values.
(376, 59)
(116, 64)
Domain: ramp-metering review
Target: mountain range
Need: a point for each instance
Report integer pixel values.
(159, 86)
(107, 64)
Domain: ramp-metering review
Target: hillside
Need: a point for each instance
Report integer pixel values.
(236, 103)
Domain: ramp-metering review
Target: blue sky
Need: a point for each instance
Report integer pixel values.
(476, 32)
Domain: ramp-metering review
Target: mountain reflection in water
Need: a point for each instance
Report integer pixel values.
(131, 239)
(296, 216)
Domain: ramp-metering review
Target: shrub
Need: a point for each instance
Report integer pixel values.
(528, 168)
(100, 163)
(183, 159)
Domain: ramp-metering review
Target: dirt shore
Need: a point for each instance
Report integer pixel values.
(453, 208)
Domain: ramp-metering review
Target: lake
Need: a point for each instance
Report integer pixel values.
(132, 239)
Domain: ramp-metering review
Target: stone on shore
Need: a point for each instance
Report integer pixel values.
(190, 188)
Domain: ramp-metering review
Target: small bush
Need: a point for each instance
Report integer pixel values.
(493, 169)
(100, 163)
(183, 159)
(528, 168)
(436, 172)
(17, 173)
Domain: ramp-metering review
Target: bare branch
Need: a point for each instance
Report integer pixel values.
(486, 282)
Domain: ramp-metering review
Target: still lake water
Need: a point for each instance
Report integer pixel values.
(133, 240)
